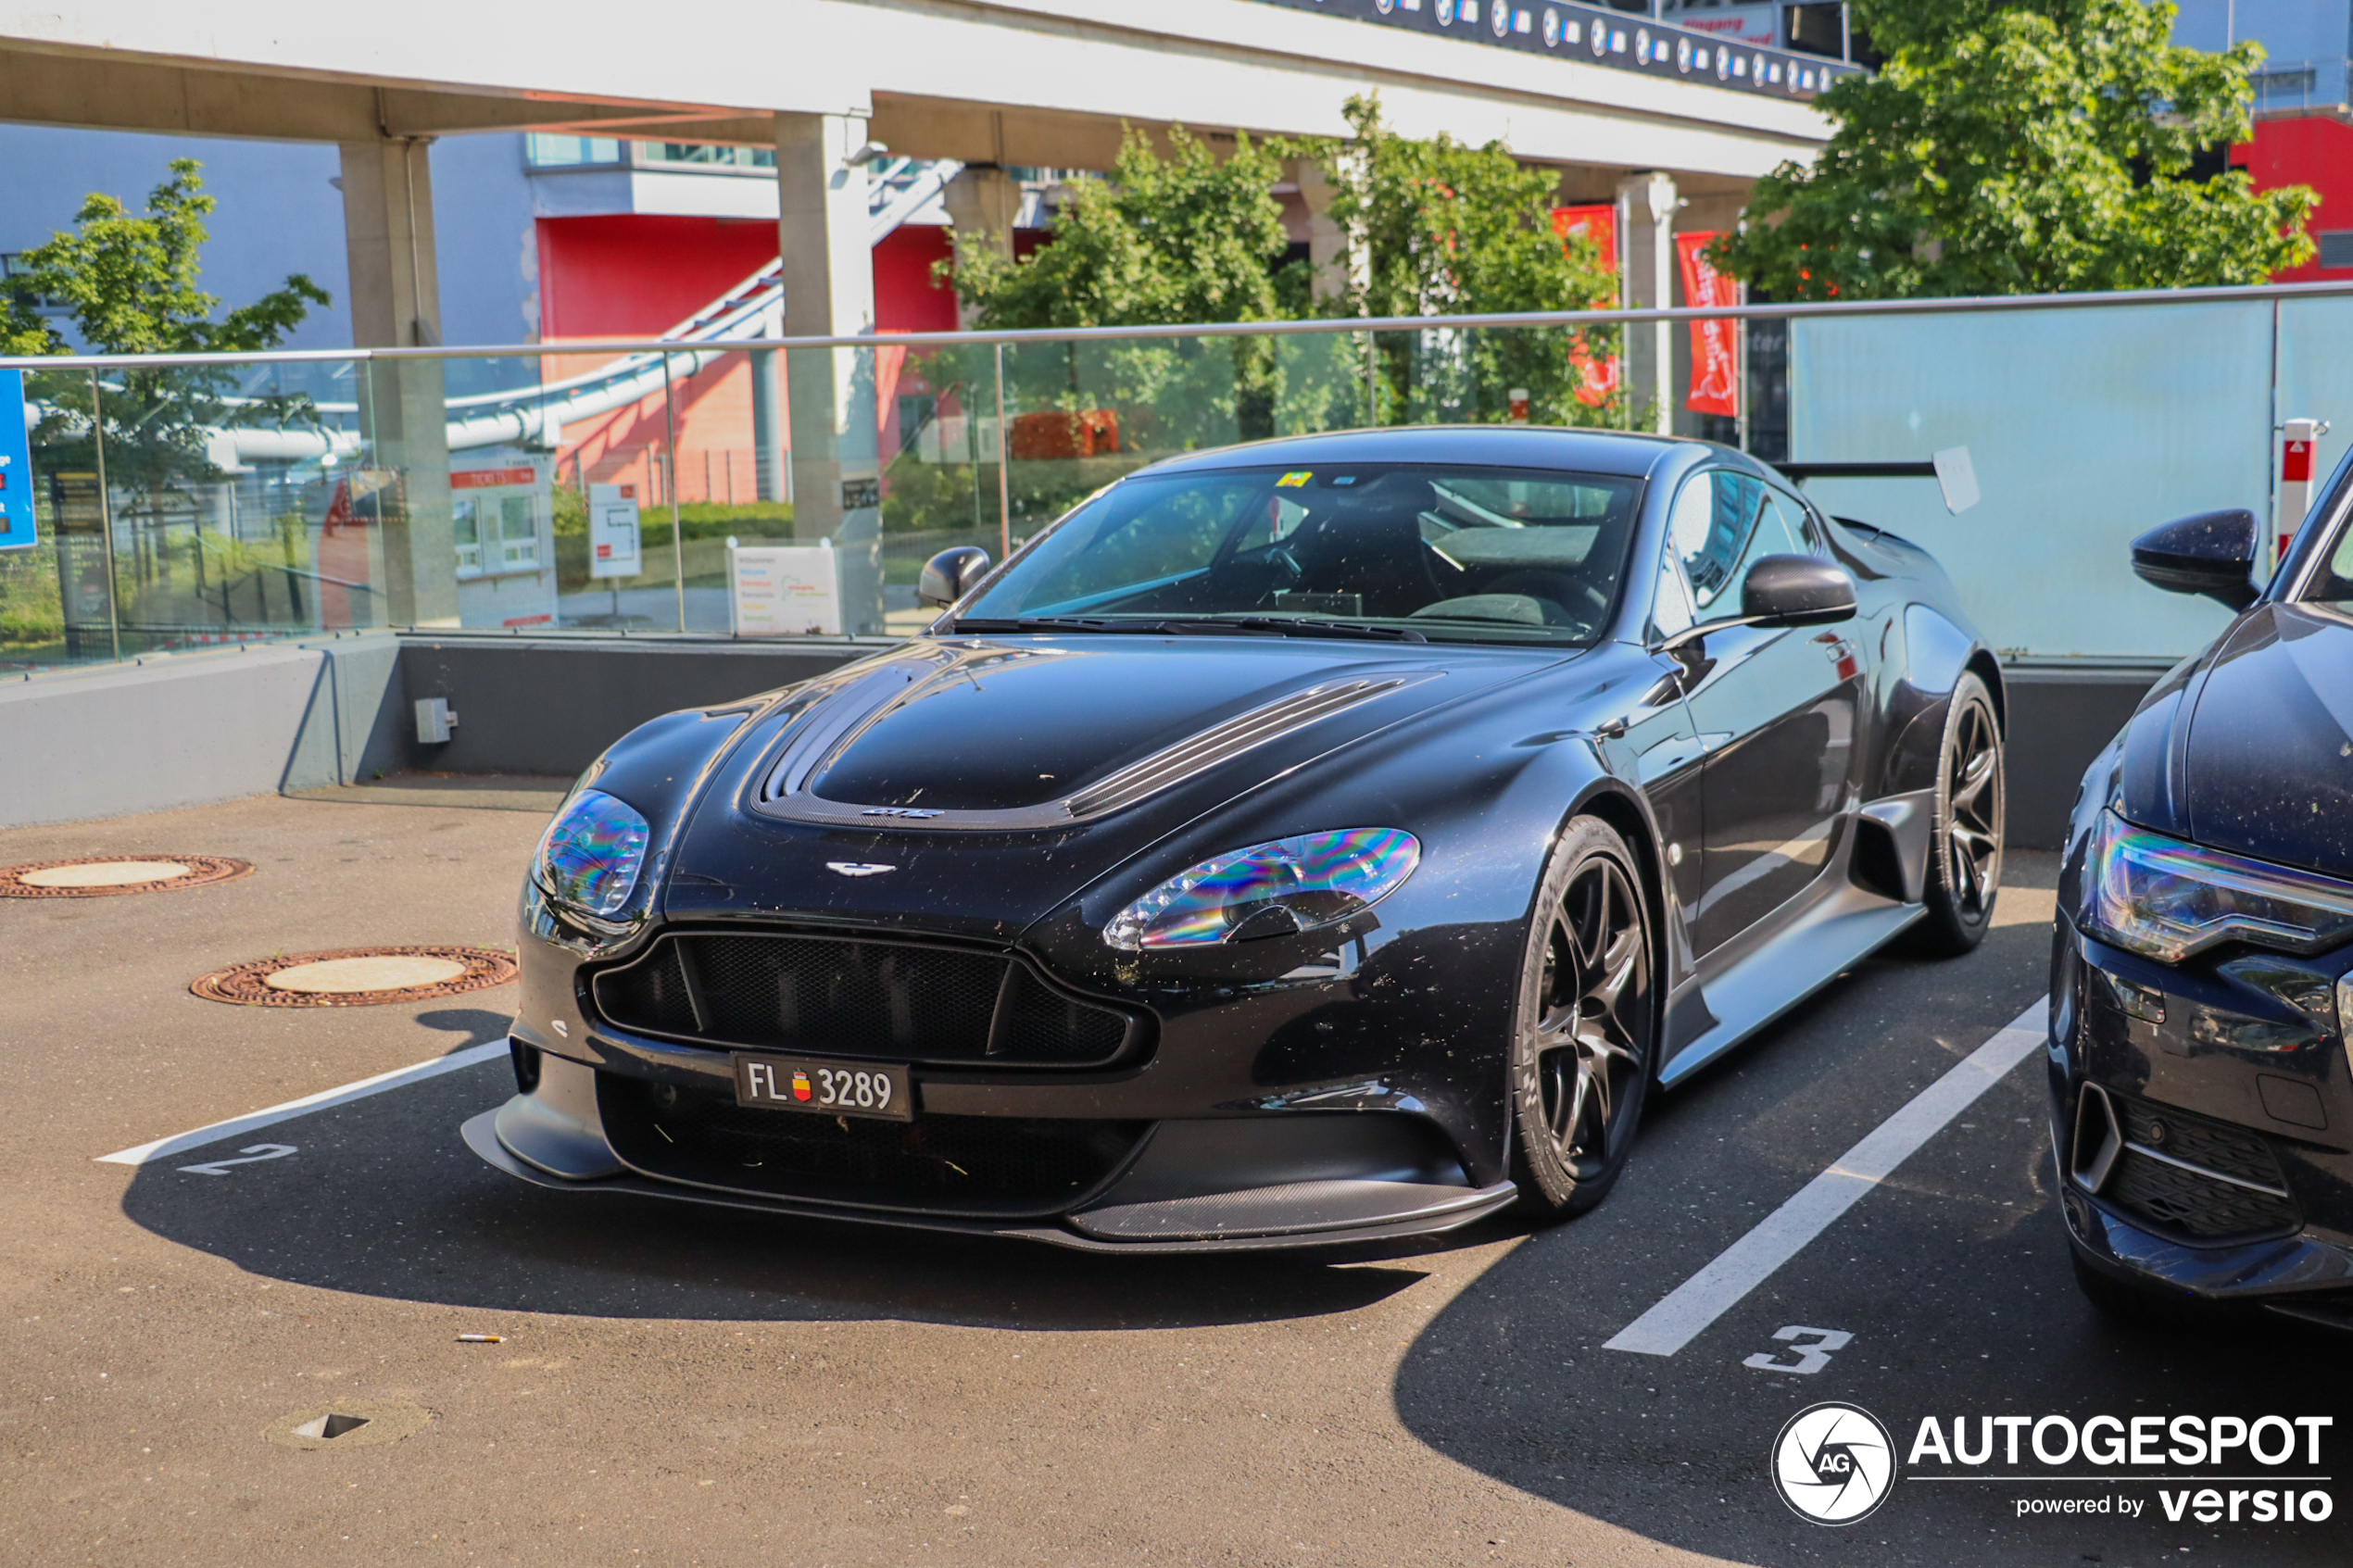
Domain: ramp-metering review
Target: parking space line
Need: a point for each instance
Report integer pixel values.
(1679, 1316)
(303, 1107)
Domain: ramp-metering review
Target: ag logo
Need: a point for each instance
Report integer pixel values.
(1833, 1463)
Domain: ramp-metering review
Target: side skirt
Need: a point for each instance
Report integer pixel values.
(1845, 924)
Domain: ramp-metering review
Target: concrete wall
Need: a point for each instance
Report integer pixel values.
(550, 707)
(187, 730)
(184, 730)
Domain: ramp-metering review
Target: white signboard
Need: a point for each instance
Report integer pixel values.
(786, 590)
(612, 531)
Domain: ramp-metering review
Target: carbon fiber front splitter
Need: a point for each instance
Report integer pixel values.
(1313, 1213)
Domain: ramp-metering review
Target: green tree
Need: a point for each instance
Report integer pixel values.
(1438, 227)
(2021, 146)
(1171, 241)
(1162, 242)
(129, 283)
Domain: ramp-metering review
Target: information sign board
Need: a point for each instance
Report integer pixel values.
(16, 465)
(785, 590)
(614, 532)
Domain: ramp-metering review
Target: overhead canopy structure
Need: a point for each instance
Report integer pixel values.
(1656, 119)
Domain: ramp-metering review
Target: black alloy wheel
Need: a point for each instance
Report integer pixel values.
(1965, 855)
(1584, 1046)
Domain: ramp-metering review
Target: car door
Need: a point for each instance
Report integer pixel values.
(1775, 709)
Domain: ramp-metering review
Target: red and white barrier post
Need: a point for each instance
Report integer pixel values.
(2298, 440)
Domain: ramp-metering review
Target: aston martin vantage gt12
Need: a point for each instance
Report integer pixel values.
(1326, 839)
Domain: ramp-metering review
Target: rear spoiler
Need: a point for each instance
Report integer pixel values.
(1951, 469)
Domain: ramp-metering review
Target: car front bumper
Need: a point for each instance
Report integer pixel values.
(2202, 1123)
(1181, 1185)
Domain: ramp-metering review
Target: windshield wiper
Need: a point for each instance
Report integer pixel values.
(1057, 623)
(1248, 625)
(1284, 626)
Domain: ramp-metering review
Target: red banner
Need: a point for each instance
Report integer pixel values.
(1716, 361)
(1597, 379)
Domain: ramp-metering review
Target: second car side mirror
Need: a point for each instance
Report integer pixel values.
(951, 574)
(1797, 591)
(2212, 553)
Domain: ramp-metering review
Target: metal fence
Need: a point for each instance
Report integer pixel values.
(745, 486)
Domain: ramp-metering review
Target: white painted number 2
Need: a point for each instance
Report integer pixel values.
(1811, 1359)
(254, 1155)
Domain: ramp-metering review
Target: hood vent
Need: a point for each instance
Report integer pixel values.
(791, 790)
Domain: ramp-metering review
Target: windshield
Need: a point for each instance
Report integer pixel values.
(1421, 551)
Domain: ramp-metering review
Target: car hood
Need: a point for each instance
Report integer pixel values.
(2257, 756)
(996, 777)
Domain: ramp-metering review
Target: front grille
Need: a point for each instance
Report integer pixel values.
(858, 997)
(986, 1164)
(2197, 1203)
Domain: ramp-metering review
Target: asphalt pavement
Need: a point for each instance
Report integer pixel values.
(683, 1386)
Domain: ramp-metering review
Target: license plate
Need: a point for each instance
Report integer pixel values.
(784, 1082)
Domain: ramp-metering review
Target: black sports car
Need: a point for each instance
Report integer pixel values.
(1318, 840)
(2202, 977)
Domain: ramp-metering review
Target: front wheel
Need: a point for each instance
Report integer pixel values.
(1585, 1032)
(1965, 849)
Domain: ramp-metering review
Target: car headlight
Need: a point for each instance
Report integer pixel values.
(2169, 899)
(1291, 885)
(590, 857)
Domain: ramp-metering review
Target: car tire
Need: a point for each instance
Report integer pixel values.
(1585, 1028)
(1965, 843)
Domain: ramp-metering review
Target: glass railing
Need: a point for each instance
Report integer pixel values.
(790, 489)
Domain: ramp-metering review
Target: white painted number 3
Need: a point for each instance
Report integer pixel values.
(1811, 1359)
(254, 1155)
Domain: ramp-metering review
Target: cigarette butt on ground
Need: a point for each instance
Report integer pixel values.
(482, 1339)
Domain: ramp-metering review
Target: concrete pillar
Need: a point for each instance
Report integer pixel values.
(983, 202)
(768, 445)
(396, 303)
(829, 292)
(1646, 219)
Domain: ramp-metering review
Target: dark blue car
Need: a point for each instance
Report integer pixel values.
(2202, 1097)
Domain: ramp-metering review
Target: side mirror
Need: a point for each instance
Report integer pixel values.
(1797, 591)
(951, 574)
(2212, 553)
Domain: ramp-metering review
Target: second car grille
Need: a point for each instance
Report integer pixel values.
(859, 998)
(2227, 1181)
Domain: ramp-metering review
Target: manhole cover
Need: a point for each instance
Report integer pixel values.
(349, 1423)
(98, 877)
(357, 977)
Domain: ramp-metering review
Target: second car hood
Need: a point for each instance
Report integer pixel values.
(2266, 765)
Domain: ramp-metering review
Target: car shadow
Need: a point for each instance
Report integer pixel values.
(1952, 1277)
(380, 1197)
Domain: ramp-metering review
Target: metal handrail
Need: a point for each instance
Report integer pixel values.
(1991, 304)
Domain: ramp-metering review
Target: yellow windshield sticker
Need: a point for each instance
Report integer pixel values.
(1293, 481)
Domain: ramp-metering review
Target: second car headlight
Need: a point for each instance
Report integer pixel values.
(1275, 889)
(589, 859)
(2158, 895)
